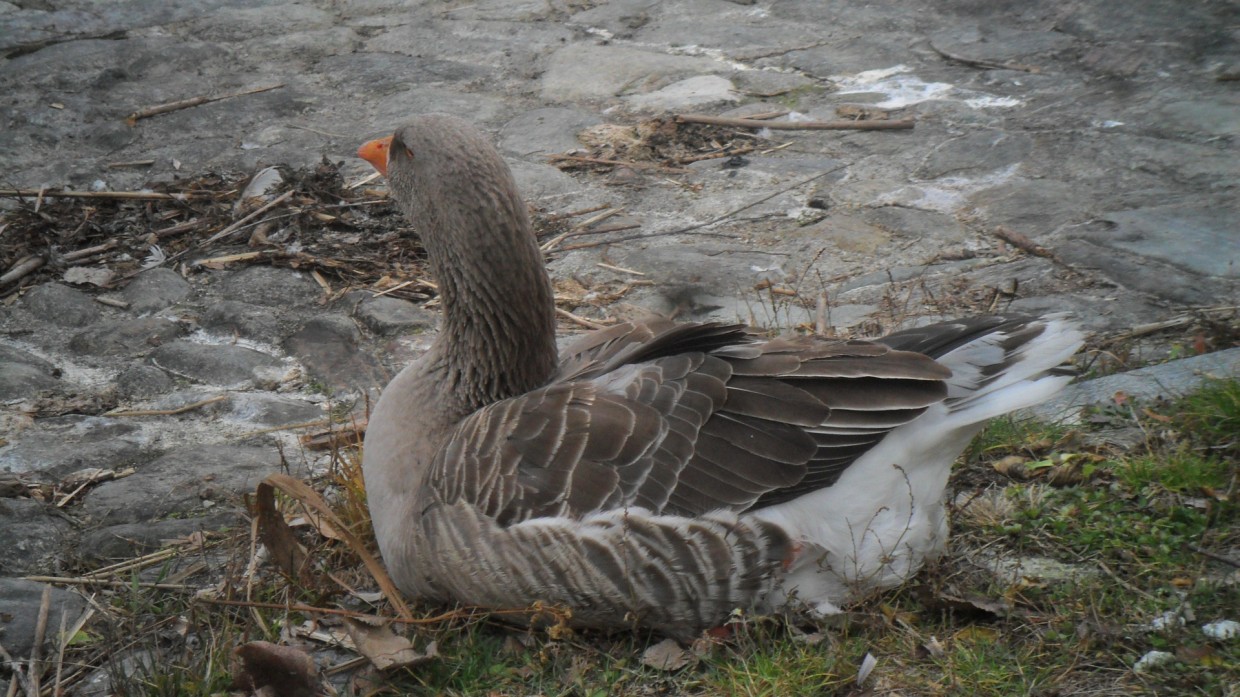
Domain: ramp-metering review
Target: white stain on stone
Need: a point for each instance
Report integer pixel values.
(900, 89)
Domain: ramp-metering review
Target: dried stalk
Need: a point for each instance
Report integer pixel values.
(842, 125)
(166, 107)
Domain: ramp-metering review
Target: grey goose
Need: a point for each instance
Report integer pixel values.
(658, 474)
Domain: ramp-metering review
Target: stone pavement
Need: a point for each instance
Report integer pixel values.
(1102, 132)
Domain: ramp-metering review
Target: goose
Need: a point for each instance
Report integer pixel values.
(658, 474)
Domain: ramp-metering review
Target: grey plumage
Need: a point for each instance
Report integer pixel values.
(654, 473)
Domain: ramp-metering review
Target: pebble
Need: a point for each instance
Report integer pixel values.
(154, 290)
(61, 305)
(22, 374)
(19, 613)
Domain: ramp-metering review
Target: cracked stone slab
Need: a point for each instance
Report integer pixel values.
(22, 374)
(186, 481)
(125, 337)
(328, 347)
(19, 611)
(32, 536)
(58, 445)
(218, 364)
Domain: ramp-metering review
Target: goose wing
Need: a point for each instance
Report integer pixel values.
(683, 419)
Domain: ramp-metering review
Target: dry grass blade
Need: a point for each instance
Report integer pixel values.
(308, 497)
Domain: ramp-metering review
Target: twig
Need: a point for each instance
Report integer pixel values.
(1173, 323)
(1214, 556)
(113, 302)
(21, 269)
(237, 225)
(1024, 243)
(1118, 579)
(40, 631)
(60, 653)
(243, 256)
(89, 251)
(621, 269)
(179, 228)
(745, 150)
(576, 319)
(841, 125)
(132, 163)
(982, 63)
(574, 214)
(81, 581)
(767, 115)
(129, 195)
(166, 107)
(169, 412)
(617, 163)
(762, 200)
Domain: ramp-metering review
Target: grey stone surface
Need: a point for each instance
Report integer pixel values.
(19, 614)
(214, 364)
(125, 337)
(59, 445)
(61, 305)
(154, 290)
(23, 374)
(272, 410)
(32, 536)
(1204, 240)
(134, 539)
(231, 317)
(182, 482)
(328, 347)
(1170, 379)
(386, 315)
(142, 381)
(270, 287)
(545, 131)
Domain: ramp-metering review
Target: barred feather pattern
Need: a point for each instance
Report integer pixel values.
(660, 474)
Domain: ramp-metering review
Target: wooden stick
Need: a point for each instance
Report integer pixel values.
(574, 214)
(71, 581)
(40, 631)
(237, 225)
(112, 302)
(132, 163)
(744, 150)
(576, 319)
(169, 412)
(88, 251)
(21, 269)
(617, 163)
(166, 107)
(127, 195)
(843, 125)
(621, 269)
(178, 228)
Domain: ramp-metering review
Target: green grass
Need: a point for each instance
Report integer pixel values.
(1143, 533)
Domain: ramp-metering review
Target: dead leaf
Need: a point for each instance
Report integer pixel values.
(282, 671)
(286, 552)
(1012, 466)
(82, 275)
(385, 648)
(666, 655)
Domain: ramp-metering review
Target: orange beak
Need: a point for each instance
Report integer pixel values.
(376, 153)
